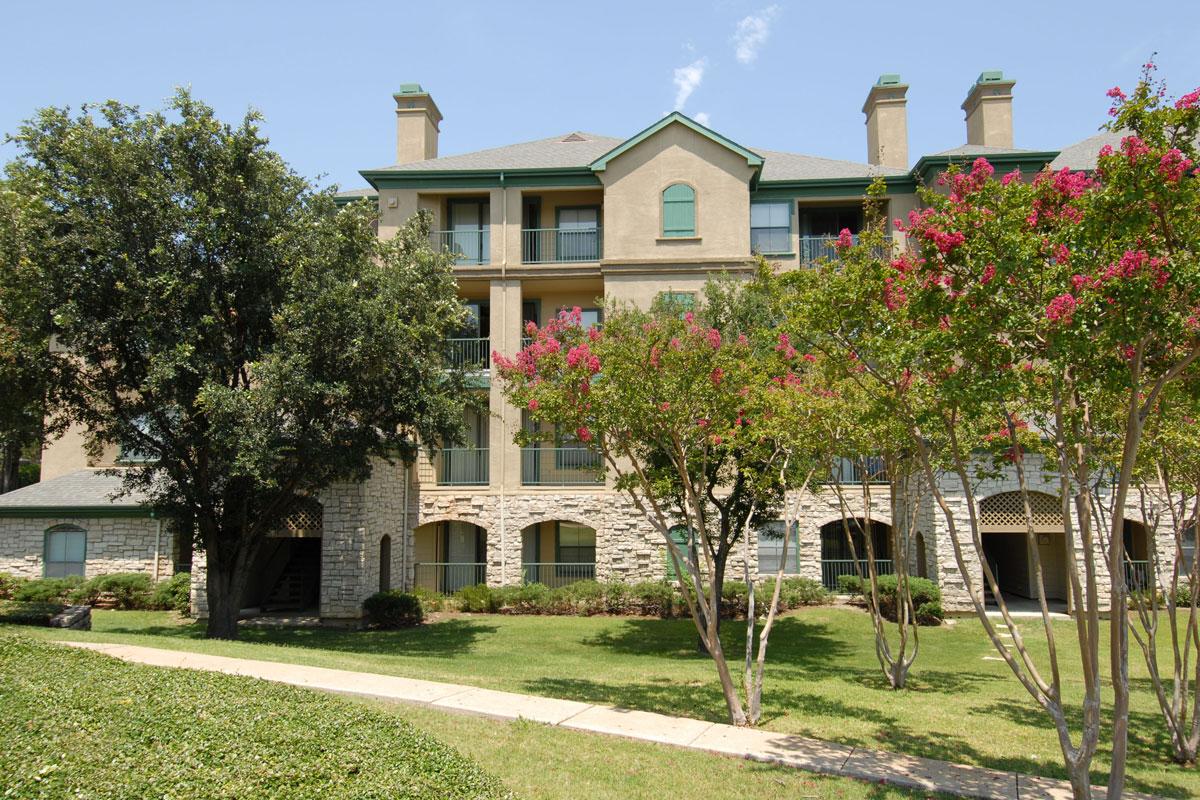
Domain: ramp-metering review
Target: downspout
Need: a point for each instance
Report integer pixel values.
(157, 543)
(503, 316)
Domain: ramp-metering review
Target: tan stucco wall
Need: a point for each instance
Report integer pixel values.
(633, 186)
(640, 289)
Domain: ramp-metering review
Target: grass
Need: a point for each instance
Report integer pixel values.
(79, 724)
(823, 679)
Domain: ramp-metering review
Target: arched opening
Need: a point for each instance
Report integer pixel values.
(1139, 576)
(64, 551)
(449, 555)
(287, 570)
(836, 557)
(1003, 528)
(922, 559)
(558, 552)
(385, 563)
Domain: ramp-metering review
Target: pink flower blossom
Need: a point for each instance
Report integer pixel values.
(1061, 309)
(1061, 254)
(531, 329)
(1011, 177)
(664, 406)
(716, 376)
(989, 272)
(1116, 94)
(689, 317)
(533, 404)
(702, 423)
(809, 357)
(1189, 100)
(1134, 148)
(594, 334)
(742, 340)
(845, 238)
(583, 434)
(1173, 164)
(714, 338)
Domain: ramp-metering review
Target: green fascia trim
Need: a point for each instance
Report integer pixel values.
(345, 201)
(848, 187)
(929, 166)
(752, 159)
(76, 511)
(480, 179)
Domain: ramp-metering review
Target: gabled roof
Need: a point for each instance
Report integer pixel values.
(780, 166)
(980, 150)
(1082, 155)
(752, 159)
(79, 493)
(574, 149)
(1002, 158)
(350, 195)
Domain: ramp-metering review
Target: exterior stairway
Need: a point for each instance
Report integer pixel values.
(298, 585)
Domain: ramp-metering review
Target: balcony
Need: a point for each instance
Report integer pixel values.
(560, 466)
(834, 568)
(1138, 576)
(813, 248)
(561, 245)
(443, 577)
(858, 471)
(461, 466)
(556, 574)
(469, 245)
(473, 354)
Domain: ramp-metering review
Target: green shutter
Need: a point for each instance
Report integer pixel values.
(679, 211)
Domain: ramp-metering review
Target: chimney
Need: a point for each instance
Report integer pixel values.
(417, 119)
(887, 122)
(989, 110)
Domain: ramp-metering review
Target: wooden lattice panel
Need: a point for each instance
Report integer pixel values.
(308, 520)
(1006, 512)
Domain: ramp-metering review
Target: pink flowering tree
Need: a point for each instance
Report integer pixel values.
(701, 418)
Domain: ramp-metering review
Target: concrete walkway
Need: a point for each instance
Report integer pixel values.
(758, 745)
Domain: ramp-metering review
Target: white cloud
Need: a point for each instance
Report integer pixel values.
(687, 80)
(702, 118)
(751, 34)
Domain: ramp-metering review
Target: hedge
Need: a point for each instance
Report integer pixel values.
(126, 590)
(926, 597)
(394, 609)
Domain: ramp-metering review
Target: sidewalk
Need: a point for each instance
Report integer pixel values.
(757, 745)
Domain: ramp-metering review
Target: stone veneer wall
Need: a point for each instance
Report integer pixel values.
(114, 544)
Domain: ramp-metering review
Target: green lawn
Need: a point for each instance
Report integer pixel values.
(79, 724)
(822, 680)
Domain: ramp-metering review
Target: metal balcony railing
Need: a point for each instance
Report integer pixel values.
(445, 577)
(560, 466)
(461, 466)
(470, 246)
(556, 574)
(855, 471)
(834, 568)
(473, 354)
(1138, 576)
(813, 248)
(561, 245)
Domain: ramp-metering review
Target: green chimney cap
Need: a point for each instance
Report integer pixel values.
(990, 76)
(411, 88)
(888, 79)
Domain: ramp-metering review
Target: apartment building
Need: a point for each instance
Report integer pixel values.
(562, 222)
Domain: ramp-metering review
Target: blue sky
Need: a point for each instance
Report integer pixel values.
(776, 75)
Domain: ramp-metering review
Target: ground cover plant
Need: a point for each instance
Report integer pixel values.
(962, 705)
(80, 724)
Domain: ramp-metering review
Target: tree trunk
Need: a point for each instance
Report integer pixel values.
(10, 465)
(229, 565)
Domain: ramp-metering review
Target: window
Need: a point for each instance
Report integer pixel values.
(771, 227)
(570, 453)
(1188, 546)
(578, 234)
(679, 535)
(128, 452)
(576, 544)
(589, 317)
(684, 301)
(470, 223)
(66, 551)
(679, 211)
(770, 549)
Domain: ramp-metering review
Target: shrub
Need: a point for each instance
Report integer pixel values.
(735, 599)
(796, 592)
(923, 591)
(654, 598)
(8, 585)
(430, 601)
(618, 597)
(528, 598)
(580, 597)
(478, 599)
(47, 590)
(129, 590)
(394, 609)
(173, 594)
(930, 613)
(14, 612)
(850, 584)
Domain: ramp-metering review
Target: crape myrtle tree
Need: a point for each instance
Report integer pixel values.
(683, 414)
(26, 366)
(1020, 311)
(228, 325)
(1165, 625)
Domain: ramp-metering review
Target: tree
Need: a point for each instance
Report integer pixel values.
(1020, 313)
(684, 415)
(230, 326)
(26, 366)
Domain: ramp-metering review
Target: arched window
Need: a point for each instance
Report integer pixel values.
(65, 551)
(679, 211)
(385, 563)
